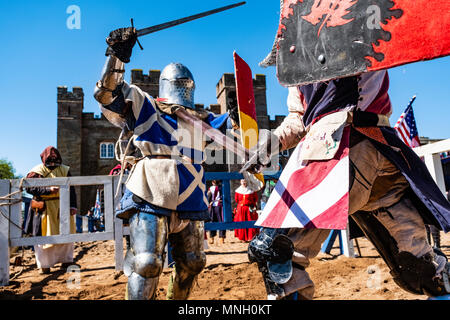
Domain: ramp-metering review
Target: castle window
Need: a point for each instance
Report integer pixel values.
(106, 150)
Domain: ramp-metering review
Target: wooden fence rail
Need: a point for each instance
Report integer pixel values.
(11, 215)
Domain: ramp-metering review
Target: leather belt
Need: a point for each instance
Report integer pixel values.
(48, 198)
(369, 119)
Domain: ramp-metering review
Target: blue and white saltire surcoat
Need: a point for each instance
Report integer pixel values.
(168, 184)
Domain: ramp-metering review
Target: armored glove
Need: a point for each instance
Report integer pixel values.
(121, 42)
(268, 146)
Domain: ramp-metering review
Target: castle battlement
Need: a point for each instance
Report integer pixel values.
(138, 76)
(76, 94)
(147, 82)
(227, 81)
(259, 80)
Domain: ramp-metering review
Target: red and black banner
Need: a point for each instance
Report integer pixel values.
(319, 40)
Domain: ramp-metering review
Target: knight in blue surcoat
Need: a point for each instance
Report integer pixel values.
(165, 195)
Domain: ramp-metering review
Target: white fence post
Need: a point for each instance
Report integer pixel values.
(434, 165)
(15, 211)
(347, 244)
(118, 225)
(109, 206)
(4, 235)
(85, 224)
(431, 154)
(64, 209)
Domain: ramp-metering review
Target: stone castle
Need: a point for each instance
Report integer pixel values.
(86, 141)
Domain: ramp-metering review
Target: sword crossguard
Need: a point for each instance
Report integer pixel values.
(137, 40)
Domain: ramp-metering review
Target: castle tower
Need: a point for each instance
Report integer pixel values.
(259, 89)
(69, 128)
(227, 84)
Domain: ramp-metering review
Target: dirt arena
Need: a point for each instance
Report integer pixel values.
(227, 276)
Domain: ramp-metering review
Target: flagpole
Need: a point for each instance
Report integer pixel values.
(412, 100)
(404, 112)
(406, 126)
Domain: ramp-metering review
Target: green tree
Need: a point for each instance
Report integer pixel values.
(7, 170)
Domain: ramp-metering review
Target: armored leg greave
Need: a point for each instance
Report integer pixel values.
(189, 257)
(141, 288)
(412, 269)
(272, 250)
(144, 260)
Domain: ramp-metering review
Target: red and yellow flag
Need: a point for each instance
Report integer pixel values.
(246, 105)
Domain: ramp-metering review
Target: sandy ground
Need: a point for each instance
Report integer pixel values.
(227, 276)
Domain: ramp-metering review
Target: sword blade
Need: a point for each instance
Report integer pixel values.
(214, 134)
(143, 32)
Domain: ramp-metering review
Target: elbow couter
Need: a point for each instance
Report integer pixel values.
(103, 96)
(112, 76)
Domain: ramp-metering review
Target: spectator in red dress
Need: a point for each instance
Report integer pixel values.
(245, 211)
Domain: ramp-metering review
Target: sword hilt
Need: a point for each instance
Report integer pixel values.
(137, 39)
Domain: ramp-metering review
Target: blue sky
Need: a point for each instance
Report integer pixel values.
(40, 53)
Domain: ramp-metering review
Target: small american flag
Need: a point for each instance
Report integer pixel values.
(97, 208)
(406, 127)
